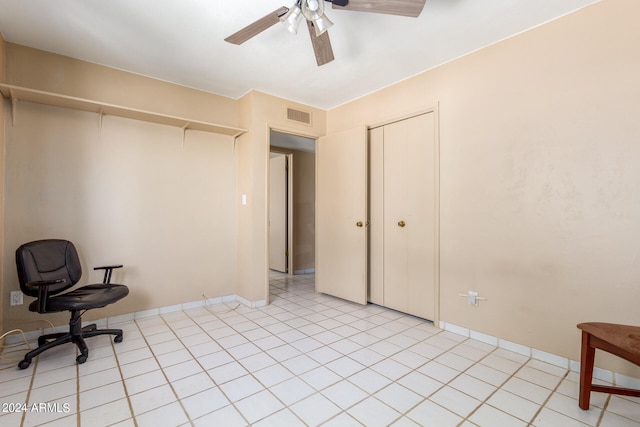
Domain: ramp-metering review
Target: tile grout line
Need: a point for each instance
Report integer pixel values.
(124, 384)
(175, 393)
(372, 395)
(604, 409)
(198, 362)
(544, 404)
(77, 394)
(31, 381)
(277, 362)
(342, 411)
(160, 369)
(226, 349)
(486, 400)
(276, 297)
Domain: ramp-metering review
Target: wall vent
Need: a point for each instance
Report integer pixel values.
(299, 116)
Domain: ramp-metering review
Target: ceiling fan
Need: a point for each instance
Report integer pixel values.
(318, 23)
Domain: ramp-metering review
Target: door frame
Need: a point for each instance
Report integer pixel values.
(295, 132)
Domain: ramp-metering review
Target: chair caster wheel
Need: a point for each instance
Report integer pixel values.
(24, 364)
(81, 359)
(118, 338)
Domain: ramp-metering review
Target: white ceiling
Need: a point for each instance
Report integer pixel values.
(181, 41)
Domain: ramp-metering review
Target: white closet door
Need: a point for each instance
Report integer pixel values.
(341, 215)
(278, 212)
(410, 216)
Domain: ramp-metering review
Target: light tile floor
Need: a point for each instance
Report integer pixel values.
(306, 359)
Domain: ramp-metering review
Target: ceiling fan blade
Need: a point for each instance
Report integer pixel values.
(257, 27)
(411, 8)
(321, 45)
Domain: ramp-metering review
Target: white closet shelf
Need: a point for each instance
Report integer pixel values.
(17, 93)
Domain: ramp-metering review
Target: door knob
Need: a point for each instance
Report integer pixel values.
(359, 224)
(401, 224)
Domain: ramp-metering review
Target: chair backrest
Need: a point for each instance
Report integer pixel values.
(47, 260)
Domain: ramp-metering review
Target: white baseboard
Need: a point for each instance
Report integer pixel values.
(113, 320)
(563, 362)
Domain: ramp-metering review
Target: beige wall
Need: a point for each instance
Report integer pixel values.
(259, 113)
(46, 71)
(128, 192)
(2, 58)
(2, 108)
(304, 207)
(125, 191)
(540, 184)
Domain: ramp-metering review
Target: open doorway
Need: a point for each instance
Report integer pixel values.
(298, 155)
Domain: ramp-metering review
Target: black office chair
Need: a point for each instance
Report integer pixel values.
(46, 268)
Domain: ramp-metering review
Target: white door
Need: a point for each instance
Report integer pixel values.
(278, 212)
(341, 215)
(410, 217)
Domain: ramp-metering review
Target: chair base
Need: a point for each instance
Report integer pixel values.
(76, 334)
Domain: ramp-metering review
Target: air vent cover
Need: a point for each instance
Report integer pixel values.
(299, 116)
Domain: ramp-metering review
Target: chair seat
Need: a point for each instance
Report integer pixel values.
(625, 338)
(85, 298)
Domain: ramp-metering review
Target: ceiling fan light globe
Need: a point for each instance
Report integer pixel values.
(291, 20)
(312, 9)
(322, 24)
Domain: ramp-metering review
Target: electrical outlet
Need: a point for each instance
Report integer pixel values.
(472, 298)
(16, 298)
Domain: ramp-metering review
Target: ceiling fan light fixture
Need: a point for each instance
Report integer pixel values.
(322, 24)
(313, 10)
(291, 20)
(313, 5)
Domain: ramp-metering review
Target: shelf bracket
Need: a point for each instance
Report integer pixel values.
(100, 115)
(14, 107)
(184, 133)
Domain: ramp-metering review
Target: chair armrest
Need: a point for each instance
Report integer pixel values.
(108, 269)
(43, 291)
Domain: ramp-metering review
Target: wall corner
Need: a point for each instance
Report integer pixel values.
(2, 113)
